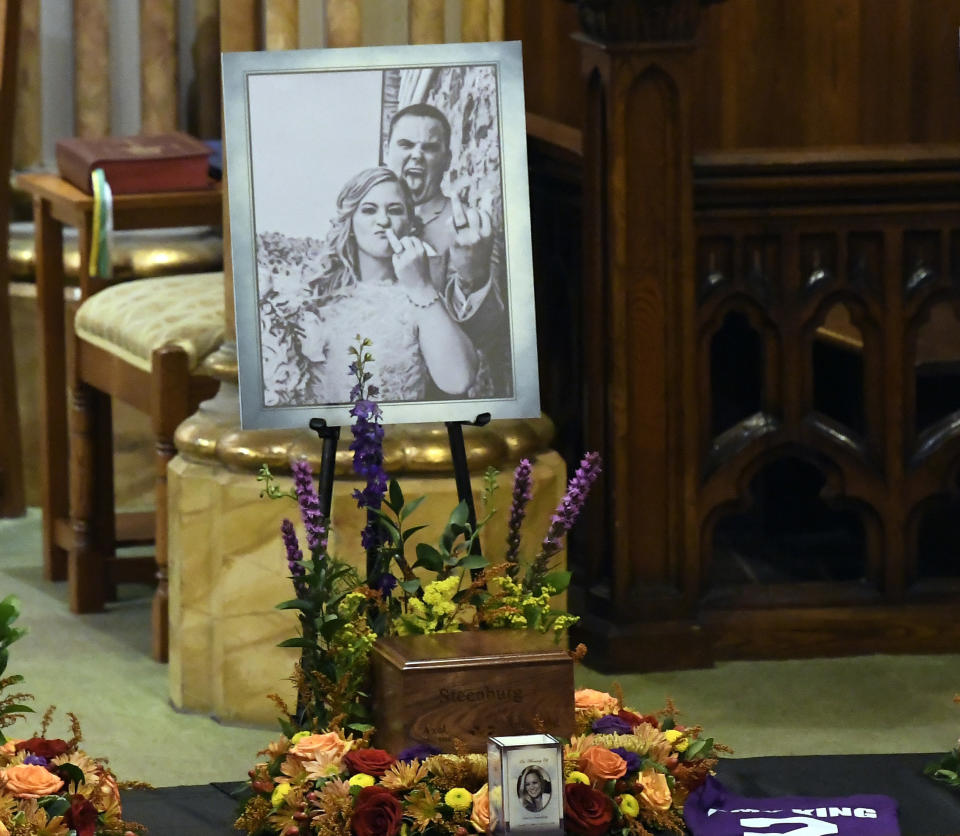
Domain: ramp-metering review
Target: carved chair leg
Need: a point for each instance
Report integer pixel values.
(170, 406)
(86, 562)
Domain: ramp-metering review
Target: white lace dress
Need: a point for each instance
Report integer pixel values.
(379, 311)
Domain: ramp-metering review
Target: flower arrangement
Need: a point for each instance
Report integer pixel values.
(49, 786)
(624, 773)
(443, 587)
(947, 769)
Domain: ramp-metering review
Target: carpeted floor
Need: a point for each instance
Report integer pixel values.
(99, 667)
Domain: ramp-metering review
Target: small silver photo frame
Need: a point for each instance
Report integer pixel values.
(525, 778)
(381, 192)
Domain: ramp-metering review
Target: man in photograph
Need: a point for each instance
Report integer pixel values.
(418, 150)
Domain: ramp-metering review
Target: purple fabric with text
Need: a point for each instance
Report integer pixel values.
(712, 810)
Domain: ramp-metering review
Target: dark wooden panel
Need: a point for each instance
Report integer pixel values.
(551, 61)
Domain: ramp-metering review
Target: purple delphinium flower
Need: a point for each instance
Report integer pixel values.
(294, 555)
(522, 494)
(611, 724)
(634, 761)
(35, 760)
(313, 519)
(419, 752)
(385, 584)
(367, 447)
(570, 506)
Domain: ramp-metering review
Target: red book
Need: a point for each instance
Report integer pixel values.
(136, 164)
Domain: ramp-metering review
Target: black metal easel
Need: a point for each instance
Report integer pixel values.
(458, 455)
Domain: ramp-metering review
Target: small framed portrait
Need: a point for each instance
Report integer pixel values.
(381, 192)
(525, 775)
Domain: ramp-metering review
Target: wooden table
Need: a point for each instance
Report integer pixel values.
(57, 203)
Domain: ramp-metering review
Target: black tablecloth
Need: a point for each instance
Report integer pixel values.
(926, 808)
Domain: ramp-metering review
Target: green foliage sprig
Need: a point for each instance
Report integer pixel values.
(12, 706)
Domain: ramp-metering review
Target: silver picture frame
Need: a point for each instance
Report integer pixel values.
(525, 785)
(302, 129)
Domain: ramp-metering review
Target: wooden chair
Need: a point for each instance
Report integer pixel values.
(127, 344)
(12, 502)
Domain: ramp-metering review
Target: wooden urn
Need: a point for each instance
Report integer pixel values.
(454, 690)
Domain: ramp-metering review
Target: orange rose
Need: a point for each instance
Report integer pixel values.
(656, 791)
(3, 830)
(29, 781)
(480, 814)
(586, 699)
(321, 747)
(9, 749)
(602, 765)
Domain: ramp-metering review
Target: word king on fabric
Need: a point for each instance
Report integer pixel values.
(712, 810)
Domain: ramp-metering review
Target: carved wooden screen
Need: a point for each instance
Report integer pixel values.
(828, 352)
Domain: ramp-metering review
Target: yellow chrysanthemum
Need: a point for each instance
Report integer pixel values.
(628, 805)
(361, 779)
(577, 777)
(458, 798)
(677, 740)
(280, 792)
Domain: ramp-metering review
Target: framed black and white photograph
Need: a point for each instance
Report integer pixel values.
(381, 192)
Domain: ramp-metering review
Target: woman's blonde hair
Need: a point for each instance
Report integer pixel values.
(339, 259)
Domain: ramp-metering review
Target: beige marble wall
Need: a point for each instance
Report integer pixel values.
(228, 570)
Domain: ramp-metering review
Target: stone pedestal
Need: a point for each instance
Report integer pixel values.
(227, 563)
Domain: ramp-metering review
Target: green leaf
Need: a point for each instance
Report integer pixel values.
(428, 557)
(411, 586)
(410, 507)
(409, 532)
(696, 748)
(475, 561)
(71, 773)
(558, 580)
(55, 805)
(299, 641)
(395, 502)
(16, 708)
(296, 604)
(360, 727)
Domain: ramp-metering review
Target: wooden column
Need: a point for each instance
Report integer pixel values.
(27, 129)
(91, 62)
(344, 23)
(426, 18)
(282, 24)
(639, 311)
(12, 500)
(158, 66)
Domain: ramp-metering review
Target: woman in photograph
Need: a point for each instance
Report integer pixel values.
(376, 281)
(534, 789)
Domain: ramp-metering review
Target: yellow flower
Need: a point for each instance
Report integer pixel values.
(577, 777)
(676, 738)
(458, 798)
(628, 805)
(299, 736)
(361, 779)
(280, 792)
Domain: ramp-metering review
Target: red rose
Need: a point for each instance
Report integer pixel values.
(376, 812)
(370, 761)
(82, 816)
(44, 748)
(586, 812)
(638, 719)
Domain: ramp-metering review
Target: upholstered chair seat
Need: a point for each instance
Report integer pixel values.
(133, 319)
